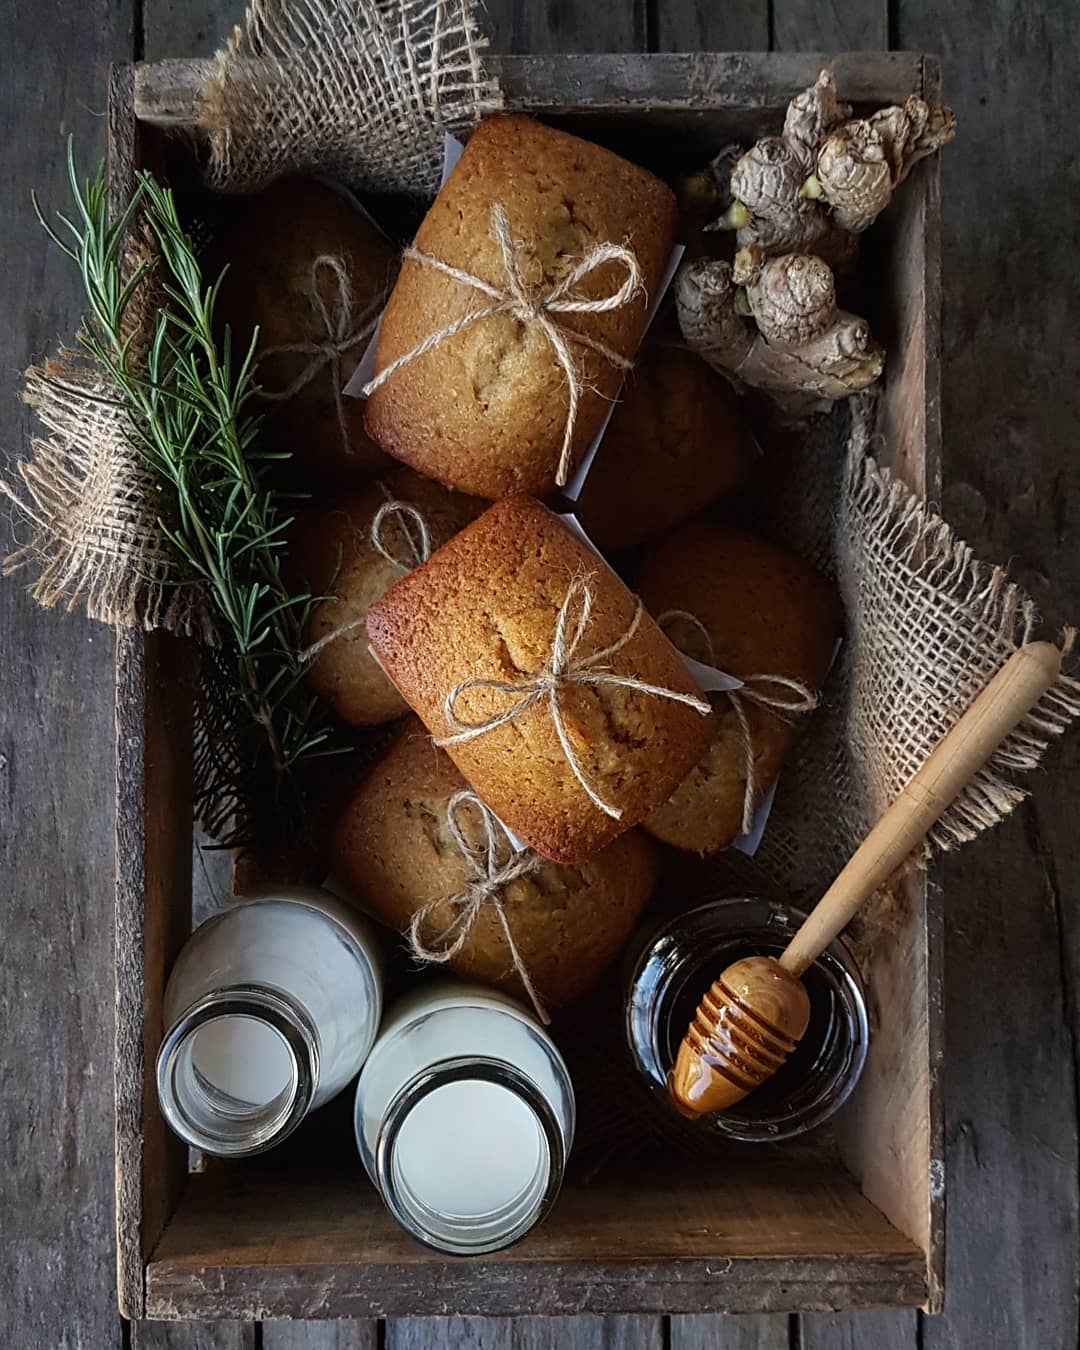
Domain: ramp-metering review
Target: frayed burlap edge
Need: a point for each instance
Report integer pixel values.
(89, 506)
(928, 625)
(983, 618)
(89, 502)
(355, 90)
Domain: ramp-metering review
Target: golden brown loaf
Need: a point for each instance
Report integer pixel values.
(485, 410)
(332, 553)
(486, 607)
(675, 443)
(272, 245)
(395, 854)
(766, 612)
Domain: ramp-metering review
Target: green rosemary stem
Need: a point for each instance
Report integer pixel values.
(189, 408)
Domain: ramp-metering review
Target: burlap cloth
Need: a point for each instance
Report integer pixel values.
(927, 625)
(362, 91)
(84, 519)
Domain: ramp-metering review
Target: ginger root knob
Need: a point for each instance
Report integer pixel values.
(796, 347)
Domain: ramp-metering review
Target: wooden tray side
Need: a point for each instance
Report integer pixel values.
(769, 1234)
(895, 1153)
(153, 918)
(167, 92)
(892, 1134)
(908, 241)
(153, 865)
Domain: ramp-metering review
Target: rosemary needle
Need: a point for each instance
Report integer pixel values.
(188, 400)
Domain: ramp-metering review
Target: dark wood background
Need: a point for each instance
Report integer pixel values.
(1012, 486)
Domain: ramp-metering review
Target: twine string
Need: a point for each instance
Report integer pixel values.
(563, 668)
(783, 696)
(418, 545)
(487, 876)
(339, 336)
(535, 306)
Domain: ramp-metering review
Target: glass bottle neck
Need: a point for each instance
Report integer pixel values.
(238, 1069)
(470, 1155)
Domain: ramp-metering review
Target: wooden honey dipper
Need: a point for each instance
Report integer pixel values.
(754, 1015)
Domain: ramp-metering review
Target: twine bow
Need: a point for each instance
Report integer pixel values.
(340, 337)
(562, 668)
(418, 545)
(531, 305)
(486, 878)
(775, 692)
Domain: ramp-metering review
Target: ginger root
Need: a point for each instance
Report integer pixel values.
(828, 176)
(773, 324)
(862, 163)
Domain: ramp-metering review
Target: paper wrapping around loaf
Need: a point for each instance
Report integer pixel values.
(280, 247)
(331, 553)
(486, 606)
(676, 442)
(766, 612)
(393, 851)
(485, 410)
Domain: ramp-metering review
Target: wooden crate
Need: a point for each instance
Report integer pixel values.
(774, 1229)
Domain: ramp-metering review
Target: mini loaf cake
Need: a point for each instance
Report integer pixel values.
(542, 728)
(395, 852)
(675, 443)
(333, 552)
(309, 270)
(762, 611)
(485, 409)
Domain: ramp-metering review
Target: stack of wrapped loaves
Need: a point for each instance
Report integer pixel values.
(554, 735)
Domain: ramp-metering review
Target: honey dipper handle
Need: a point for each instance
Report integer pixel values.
(954, 761)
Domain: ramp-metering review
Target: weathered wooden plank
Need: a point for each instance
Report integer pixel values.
(600, 26)
(361, 1335)
(705, 26)
(192, 1335)
(165, 92)
(525, 1333)
(185, 27)
(859, 1331)
(1011, 398)
(57, 1285)
(830, 25)
(319, 1245)
(729, 1333)
(589, 1333)
(451, 1333)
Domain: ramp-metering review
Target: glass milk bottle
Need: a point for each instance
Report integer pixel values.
(270, 1010)
(464, 1117)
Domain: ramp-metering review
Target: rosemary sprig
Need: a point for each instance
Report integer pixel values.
(188, 402)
